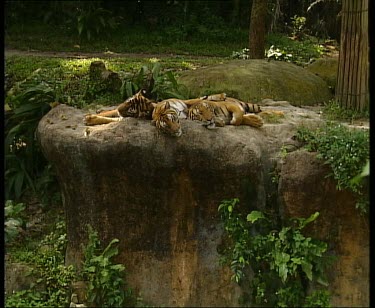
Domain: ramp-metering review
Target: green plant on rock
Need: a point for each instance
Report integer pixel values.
(161, 85)
(346, 151)
(283, 260)
(106, 286)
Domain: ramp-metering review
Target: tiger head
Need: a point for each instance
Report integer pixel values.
(166, 119)
(137, 106)
(203, 112)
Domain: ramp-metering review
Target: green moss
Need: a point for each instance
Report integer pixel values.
(254, 80)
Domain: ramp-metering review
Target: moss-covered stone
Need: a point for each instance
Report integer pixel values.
(254, 80)
(325, 68)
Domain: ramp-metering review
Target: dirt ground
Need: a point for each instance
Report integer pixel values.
(82, 55)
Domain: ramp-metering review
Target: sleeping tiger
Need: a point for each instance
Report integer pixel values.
(167, 114)
(136, 106)
(227, 111)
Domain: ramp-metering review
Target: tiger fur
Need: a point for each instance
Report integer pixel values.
(136, 106)
(226, 111)
(167, 114)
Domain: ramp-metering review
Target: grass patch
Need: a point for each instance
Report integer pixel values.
(69, 77)
(334, 112)
(272, 117)
(125, 39)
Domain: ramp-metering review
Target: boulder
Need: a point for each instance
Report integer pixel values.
(305, 189)
(325, 68)
(159, 195)
(17, 277)
(254, 80)
(103, 77)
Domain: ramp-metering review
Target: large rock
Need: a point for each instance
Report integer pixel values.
(305, 189)
(325, 68)
(159, 195)
(254, 80)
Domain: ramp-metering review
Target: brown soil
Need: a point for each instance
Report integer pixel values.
(83, 55)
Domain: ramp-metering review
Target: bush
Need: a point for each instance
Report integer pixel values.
(13, 220)
(346, 151)
(24, 161)
(52, 287)
(283, 260)
(161, 85)
(106, 286)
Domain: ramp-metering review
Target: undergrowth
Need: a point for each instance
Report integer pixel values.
(346, 151)
(287, 269)
(333, 111)
(53, 278)
(105, 280)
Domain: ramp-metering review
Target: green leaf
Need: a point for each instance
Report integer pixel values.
(254, 216)
(110, 251)
(128, 87)
(18, 183)
(283, 272)
(365, 172)
(296, 260)
(322, 281)
(307, 268)
(80, 26)
(90, 269)
(156, 69)
(311, 219)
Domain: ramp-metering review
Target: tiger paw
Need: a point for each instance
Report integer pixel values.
(252, 120)
(90, 119)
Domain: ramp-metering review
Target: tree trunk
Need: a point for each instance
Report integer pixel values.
(352, 91)
(257, 31)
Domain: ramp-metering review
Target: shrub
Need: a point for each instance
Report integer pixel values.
(13, 220)
(346, 151)
(52, 286)
(283, 260)
(23, 158)
(106, 286)
(161, 85)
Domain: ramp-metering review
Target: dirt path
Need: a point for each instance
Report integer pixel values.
(82, 55)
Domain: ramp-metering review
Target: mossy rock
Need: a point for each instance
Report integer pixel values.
(254, 80)
(325, 68)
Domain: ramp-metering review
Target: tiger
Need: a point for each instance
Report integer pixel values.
(136, 106)
(227, 111)
(167, 114)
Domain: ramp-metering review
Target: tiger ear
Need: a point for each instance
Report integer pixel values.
(167, 105)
